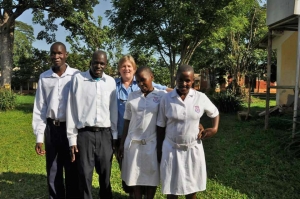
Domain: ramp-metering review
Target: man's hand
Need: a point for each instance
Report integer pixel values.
(39, 149)
(114, 144)
(73, 150)
(201, 133)
(121, 151)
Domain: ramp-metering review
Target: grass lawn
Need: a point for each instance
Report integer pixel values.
(243, 160)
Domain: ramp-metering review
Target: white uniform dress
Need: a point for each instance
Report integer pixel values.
(139, 165)
(183, 168)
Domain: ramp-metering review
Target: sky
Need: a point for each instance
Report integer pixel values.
(61, 33)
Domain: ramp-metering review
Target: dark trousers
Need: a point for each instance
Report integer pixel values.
(57, 161)
(95, 150)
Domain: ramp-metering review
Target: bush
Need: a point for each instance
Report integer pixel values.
(7, 100)
(227, 102)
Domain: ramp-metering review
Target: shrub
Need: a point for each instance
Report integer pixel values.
(7, 100)
(227, 102)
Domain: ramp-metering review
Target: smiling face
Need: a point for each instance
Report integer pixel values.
(58, 55)
(185, 80)
(127, 70)
(98, 64)
(144, 79)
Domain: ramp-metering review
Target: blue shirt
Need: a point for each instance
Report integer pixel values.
(122, 96)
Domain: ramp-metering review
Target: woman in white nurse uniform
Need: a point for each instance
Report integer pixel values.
(181, 154)
(138, 144)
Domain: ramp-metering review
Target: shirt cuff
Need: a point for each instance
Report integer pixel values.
(115, 135)
(160, 124)
(214, 114)
(40, 138)
(73, 141)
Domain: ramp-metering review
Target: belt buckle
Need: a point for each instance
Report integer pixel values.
(143, 141)
(184, 147)
(56, 122)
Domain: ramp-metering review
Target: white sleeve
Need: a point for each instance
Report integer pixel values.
(161, 117)
(114, 111)
(71, 114)
(210, 109)
(39, 119)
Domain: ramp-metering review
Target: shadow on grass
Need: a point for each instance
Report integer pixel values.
(249, 159)
(30, 186)
(25, 107)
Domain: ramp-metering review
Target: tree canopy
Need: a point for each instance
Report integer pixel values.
(45, 13)
(173, 28)
(232, 47)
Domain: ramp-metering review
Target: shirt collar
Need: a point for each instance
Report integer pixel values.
(50, 72)
(174, 93)
(119, 80)
(88, 76)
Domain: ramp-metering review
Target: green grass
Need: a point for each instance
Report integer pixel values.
(243, 160)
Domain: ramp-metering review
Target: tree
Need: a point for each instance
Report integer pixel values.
(30, 67)
(231, 47)
(95, 36)
(10, 10)
(239, 37)
(22, 51)
(158, 67)
(173, 28)
(24, 37)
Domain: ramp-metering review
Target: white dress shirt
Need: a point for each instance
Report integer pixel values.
(91, 103)
(51, 99)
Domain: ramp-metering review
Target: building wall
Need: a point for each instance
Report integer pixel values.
(286, 47)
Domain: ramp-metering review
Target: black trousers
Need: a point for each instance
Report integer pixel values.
(95, 151)
(57, 161)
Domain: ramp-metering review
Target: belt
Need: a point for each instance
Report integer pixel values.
(143, 141)
(55, 122)
(93, 128)
(183, 147)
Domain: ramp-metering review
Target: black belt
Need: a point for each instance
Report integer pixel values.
(93, 129)
(55, 122)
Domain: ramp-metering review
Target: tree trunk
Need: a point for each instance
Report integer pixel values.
(172, 75)
(6, 51)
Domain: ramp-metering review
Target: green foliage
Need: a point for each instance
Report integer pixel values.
(46, 14)
(227, 102)
(29, 68)
(161, 75)
(232, 46)
(145, 57)
(7, 100)
(172, 28)
(79, 61)
(24, 37)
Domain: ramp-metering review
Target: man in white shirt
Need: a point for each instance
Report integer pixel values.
(92, 125)
(49, 124)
